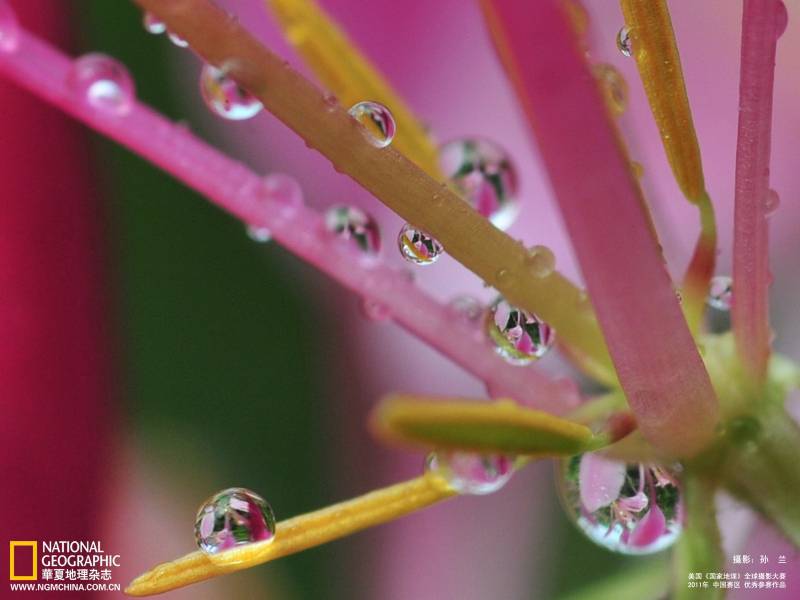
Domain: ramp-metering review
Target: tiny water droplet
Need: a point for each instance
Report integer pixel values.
(377, 120)
(519, 337)
(468, 473)
(624, 41)
(467, 308)
(540, 261)
(225, 97)
(781, 19)
(233, 517)
(502, 275)
(720, 292)
(637, 169)
(103, 82)
(418, 247)
(9, 28)
(771, 202)
(613, 86)
(354, 224)
(374, 310)
(629, 508)
(679, 296)
(258, 234)
(285, 190)
(177, 40)
(152, 24)
(483, 174)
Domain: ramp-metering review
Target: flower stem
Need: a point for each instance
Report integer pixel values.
(346, 72)
(276, 203)
(405, 188)
(750, 311)
(657, 361)
(659, 63)
(298, 533)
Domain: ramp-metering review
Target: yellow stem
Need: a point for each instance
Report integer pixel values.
(469, 238)
(657, 58)
(346, 72)
(298, 533)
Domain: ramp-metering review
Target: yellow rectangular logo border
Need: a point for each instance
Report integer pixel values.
(14, 577)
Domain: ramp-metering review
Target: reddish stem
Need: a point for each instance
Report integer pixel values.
(761, 26)
(656, 358)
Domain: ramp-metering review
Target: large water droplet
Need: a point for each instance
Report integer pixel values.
(540, 261)
(225, 97)
(104, 83)
(177, 40)
(628, 508)
(352, 223)
(258, 234)
(152, 24)
(720, 292)
(613, 86)
(233, 517)
(624, 41)
(469, 473)
(418, 247)
(377, 120)
(771, 202)
(482, 173)
(519, 337)
(9, 28)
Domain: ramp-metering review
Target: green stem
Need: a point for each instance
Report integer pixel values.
(763, 468)
(699, 549)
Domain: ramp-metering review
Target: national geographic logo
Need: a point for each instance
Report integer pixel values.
(23, 565)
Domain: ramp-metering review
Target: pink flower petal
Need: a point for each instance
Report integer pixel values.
(600, 481)
(649, 529)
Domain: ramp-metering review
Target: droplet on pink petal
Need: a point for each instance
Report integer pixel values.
(600, 481)
(650, 528)
(781, 19)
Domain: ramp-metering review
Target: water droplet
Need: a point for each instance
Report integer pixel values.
(177, 40)
(637, 169)
(720, 292)
(233, 517)
(9, 28)
(540, 261)
(374, 310)
(624, 41)
(613, 86)
(285, 190)
(482, 173)
(152, 24)
(418, 247)
(467, 308)
(679, 296)
(469, 473)
(103, 82)
(352, 223)
(781, 19)
(629, 508)
(771, 202)
(377, 120)
(259, 234)
(225, 97)
(519, 337)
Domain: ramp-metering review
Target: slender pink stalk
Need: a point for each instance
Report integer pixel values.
(656, 358)
(275, 202)
(762, 22)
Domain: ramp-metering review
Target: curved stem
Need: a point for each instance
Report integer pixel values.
(276, 203)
